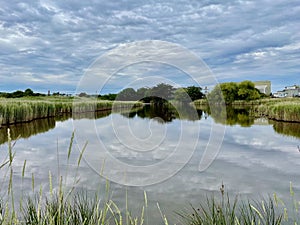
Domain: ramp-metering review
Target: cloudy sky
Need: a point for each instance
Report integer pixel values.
(48, 45)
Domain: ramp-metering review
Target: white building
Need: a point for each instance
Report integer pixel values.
(263, 86)
(289, 91)
(280, 94)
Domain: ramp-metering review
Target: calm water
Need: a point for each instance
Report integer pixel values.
(152, 146)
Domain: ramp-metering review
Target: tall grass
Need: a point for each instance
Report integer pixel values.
(23, 110)
(201, 102)
(228, 212)
(225, 211)
(282, 111)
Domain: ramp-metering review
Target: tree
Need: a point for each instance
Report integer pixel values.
(28, 92)
(82, 94)
(233, 91)
(194, 92)
(216, 95)
(181, 95)
(128, 94)
(224, 92)
(162, 91)
(17, 94)
(159, 94)
(142, 93)
(109, 96)
(247, 91)
(147, 96)
(229, 91)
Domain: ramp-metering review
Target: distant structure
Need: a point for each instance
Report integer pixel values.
(205, 90)
(289, 91)
(263, 86)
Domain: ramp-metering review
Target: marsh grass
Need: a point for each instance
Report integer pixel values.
(229, 212)
(24, 110)
(232, 211)
(281, 109)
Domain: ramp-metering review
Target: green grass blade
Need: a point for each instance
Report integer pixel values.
(81, 153)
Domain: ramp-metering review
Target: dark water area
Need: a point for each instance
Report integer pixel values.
(158, 149)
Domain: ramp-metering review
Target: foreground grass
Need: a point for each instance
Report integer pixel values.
(28, 109)
(77, 210)
(228, 212)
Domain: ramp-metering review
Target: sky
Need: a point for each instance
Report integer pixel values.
(49, 45)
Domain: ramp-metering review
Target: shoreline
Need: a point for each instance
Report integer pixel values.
(16, 111)
(283, 110)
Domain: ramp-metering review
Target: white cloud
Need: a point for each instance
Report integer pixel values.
(235, 38)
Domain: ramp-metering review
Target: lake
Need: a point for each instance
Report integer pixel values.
(158, 150)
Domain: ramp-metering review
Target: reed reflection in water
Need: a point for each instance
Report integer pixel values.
(164, 114)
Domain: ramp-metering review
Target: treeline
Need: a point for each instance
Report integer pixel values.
(161, 93)
(19, 94)
(231, 91)
(227, 92)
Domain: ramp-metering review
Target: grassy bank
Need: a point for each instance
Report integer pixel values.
(27, 109)
(281, 109)
(200, 102)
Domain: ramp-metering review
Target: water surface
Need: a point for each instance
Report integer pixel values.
(257, 157)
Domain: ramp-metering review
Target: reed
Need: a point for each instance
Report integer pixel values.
(281, 110)
(200, 102)
(228, 212)
(24, 110)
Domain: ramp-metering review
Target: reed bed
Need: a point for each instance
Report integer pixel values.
(200, 102)
(24, 110)
(281, 109)
(19, 110)
(288, 110)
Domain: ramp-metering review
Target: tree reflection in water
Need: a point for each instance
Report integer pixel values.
(161, 113)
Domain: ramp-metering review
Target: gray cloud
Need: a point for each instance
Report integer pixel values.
(60, 39)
